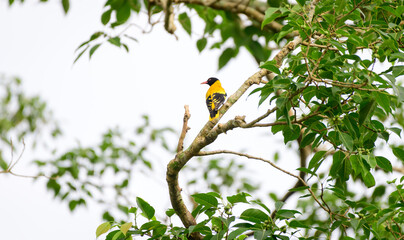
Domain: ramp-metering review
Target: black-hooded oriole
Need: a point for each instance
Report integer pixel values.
(215, 97)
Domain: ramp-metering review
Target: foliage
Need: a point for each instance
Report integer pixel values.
(22, 116)
(334, 88)
(104, 173)
(367, 217)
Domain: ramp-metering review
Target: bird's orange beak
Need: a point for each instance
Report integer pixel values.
(206, 82)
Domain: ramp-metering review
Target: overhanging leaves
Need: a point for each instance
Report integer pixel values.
(147, 210)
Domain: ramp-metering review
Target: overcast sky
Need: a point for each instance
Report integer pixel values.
(159, 76)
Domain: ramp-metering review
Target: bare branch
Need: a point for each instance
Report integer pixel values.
(185, 129)
(284, 123)
(11, 166)
(252, 123)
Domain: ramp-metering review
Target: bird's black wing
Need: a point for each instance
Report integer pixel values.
(218, 100)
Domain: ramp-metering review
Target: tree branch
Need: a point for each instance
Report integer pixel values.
(205, 153)
(235, 7)
(252, 123)
(169, 16)
(185, 129)
(12, 164)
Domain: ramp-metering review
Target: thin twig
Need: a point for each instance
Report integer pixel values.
(206, 153)
(252, 123)
(19, 157)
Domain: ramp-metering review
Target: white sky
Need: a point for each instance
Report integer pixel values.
(159, 76)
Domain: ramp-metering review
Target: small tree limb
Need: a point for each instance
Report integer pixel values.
(185, 129)
(205, 153)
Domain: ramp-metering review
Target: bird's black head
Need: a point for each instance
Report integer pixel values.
(210, 81)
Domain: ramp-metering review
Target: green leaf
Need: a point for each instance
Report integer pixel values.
(115, 235)
(125, 227)
(346, 140)
(297, 224)
(80, 54)
(185, 22)
(271, 66)
(395, 56)
(170, 212)
(123, 13)
(256, 49)
(201, 44)
(370, 160)
(356, 164)
(399, 153)
(337, 159)
(396, 131)
(239, 197)
(115, 41)
(147, 210)
(384, 163)
(66, 5)
(286, 213)
(301, 2)
(298, 189)
(254, 215)
(95, 36)
(277, 128)
(102, 228)
(291, 134)
(3, 164)
(366, 111)
(279, 205)
(383, 100)
(270, 15)
(307, 139)
(237, 232)
(225, 57)
(262, 205)
(106, 16)
(398, 71)
(205, 200)
(265, 93)
(94, 48)
(133, 210)
(368, 179)
(316, 159)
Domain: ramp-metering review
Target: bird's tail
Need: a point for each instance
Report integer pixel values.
(213, 114)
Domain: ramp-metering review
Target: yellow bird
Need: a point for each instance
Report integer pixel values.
(215, 97)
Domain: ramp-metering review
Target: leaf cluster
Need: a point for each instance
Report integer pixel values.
(22, 116)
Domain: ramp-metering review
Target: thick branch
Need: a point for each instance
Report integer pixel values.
(169, 16)
(254, 13)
